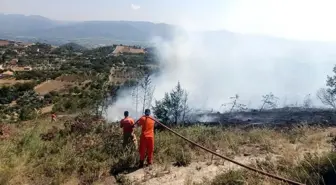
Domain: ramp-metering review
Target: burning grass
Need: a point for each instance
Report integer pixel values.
(87, 150)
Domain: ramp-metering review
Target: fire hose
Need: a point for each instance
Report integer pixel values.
(227, 158)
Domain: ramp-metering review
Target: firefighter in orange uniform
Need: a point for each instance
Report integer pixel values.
(147, 138)
(53, 117)
(127, 124)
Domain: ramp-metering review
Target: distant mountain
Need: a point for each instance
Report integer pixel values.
(41, 28)
(15, 23)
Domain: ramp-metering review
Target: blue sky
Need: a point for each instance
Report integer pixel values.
(299, 19)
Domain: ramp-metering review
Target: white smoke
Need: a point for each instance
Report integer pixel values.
(214, 66)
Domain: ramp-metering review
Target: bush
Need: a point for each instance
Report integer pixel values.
(77, 149)
(316, 170)
(182, 157)
(122, 179)
(229, 178)
(127, 161)
(39, 75)
(11, 93)
(27, 114)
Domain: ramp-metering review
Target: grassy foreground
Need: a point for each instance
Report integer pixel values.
(87, 150)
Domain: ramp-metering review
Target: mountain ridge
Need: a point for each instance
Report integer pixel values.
(34, 27)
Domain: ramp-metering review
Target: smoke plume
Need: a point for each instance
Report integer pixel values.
(214, 66)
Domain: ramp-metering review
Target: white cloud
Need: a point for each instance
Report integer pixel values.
(135, 7)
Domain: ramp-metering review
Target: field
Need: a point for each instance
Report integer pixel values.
(127, 49)
(9, 82)
(51, 85)
(60, 83)
(44, 152)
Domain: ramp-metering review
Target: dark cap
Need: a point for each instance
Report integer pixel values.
(147, 112)
(126, 113)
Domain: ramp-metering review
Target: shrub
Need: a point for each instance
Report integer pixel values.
(182, 157)
(229, 178)
(27, 114)
(122, 179)
(316, 170)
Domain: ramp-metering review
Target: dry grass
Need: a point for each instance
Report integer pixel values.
(47, 109)
(84, 154)
(251, 147)
(127, 49)
(51, 85)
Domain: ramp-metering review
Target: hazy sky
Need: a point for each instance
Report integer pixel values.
(300, 19)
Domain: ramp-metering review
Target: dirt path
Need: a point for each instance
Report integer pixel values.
(195, 172)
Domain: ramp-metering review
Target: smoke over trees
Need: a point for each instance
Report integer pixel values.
(147, 92)
(173, 108)
(269, 101)
(142, 93)
(328, 95)
(235, 104)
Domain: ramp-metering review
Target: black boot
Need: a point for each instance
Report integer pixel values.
(141, 164)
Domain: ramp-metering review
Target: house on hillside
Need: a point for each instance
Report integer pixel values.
(149, 50)
(24, 68)
(26, 45)
(6, 74)
(27, 68)
(4, 42)
(18, 68)
(13, 66)
(13, 62)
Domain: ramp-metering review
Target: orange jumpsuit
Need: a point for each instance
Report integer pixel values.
(53, 117)
(128, 131)
(146, 139)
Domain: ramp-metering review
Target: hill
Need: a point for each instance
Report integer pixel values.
(16, 23)
(41, 28)
(81, 147)
(69, 47)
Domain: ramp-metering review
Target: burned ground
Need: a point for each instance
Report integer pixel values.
(275, 117)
